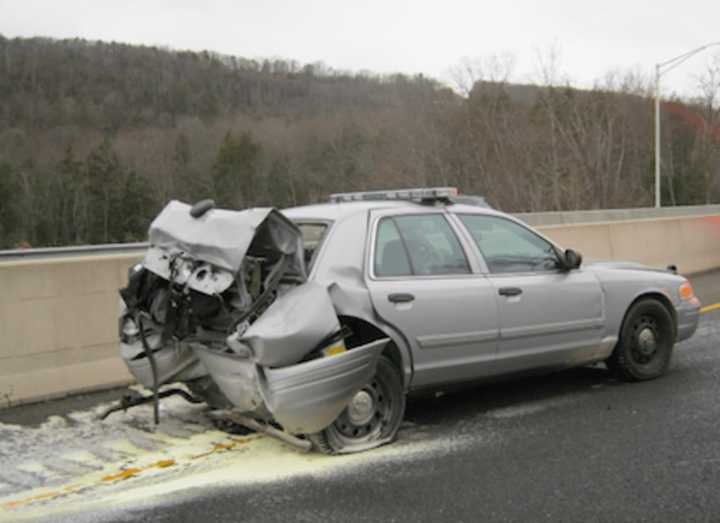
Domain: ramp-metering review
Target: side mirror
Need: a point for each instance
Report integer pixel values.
(572, 259)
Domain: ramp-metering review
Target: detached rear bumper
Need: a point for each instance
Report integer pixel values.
(688, 317)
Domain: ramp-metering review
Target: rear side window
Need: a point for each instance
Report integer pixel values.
(418, 245)
(313, 235)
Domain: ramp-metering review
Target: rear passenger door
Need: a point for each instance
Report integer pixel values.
(425, 282)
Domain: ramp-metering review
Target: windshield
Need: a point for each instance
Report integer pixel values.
(313, 234)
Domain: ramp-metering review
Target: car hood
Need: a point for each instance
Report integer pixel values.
(622, 265)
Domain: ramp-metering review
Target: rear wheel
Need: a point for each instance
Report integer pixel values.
(372, 417)
(646, 342)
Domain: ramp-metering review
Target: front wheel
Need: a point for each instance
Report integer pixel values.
(646, 342)
(372, 417)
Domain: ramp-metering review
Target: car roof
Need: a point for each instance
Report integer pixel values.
(338, 211)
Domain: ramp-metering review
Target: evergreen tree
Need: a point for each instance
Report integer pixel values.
(72, 199)
(279, 185)
(10, 196)
(105, 190)
(136, 199)
(234, 172)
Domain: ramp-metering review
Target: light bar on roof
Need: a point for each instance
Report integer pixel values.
(416, 194)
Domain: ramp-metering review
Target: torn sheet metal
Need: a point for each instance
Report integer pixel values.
(176, 362)
(292, 326)
(235, 375)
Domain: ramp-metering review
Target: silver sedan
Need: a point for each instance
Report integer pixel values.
(315, 323)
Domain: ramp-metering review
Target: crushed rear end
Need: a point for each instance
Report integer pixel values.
(221, 303)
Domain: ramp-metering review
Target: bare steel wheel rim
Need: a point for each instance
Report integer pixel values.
(368, 413)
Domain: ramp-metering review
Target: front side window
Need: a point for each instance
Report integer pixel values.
(508, 246)
(418, 245)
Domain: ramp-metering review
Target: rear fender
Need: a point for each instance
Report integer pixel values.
(291, 327)
(309, 396)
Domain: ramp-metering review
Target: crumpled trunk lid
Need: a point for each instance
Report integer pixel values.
(223, 237)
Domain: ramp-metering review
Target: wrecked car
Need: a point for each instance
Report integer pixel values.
(312, 324)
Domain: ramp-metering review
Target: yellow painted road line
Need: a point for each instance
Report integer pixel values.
(125, 472)
(709, 308)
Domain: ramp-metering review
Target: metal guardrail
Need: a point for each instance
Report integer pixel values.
(534, 219)
(75, 250)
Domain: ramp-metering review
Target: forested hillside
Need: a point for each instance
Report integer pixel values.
(96, 137)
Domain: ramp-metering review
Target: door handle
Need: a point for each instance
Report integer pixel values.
(510, 291)
(401, 297)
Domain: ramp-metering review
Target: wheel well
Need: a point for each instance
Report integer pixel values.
(362, 331)
(365, 332)
(656, 296)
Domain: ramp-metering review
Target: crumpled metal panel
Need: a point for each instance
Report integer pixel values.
(222, 237)
(309, 396)
(236, 376)
(175, 362)
(293, 325)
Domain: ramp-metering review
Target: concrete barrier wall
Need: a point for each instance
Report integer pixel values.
(58, 326)
(614, 215)
(58, 315)
(691, 243)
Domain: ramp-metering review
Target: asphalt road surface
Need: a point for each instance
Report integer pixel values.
(572, 446)
(575, 446)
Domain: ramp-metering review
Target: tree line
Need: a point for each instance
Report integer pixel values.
(96, 137)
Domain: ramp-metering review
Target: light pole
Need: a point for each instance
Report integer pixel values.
(661, 69)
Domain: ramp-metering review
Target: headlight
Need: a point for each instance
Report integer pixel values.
(686, 291)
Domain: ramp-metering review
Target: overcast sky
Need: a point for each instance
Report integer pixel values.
(399, 35)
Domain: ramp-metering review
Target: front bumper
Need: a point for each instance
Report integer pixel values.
(688, 317)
